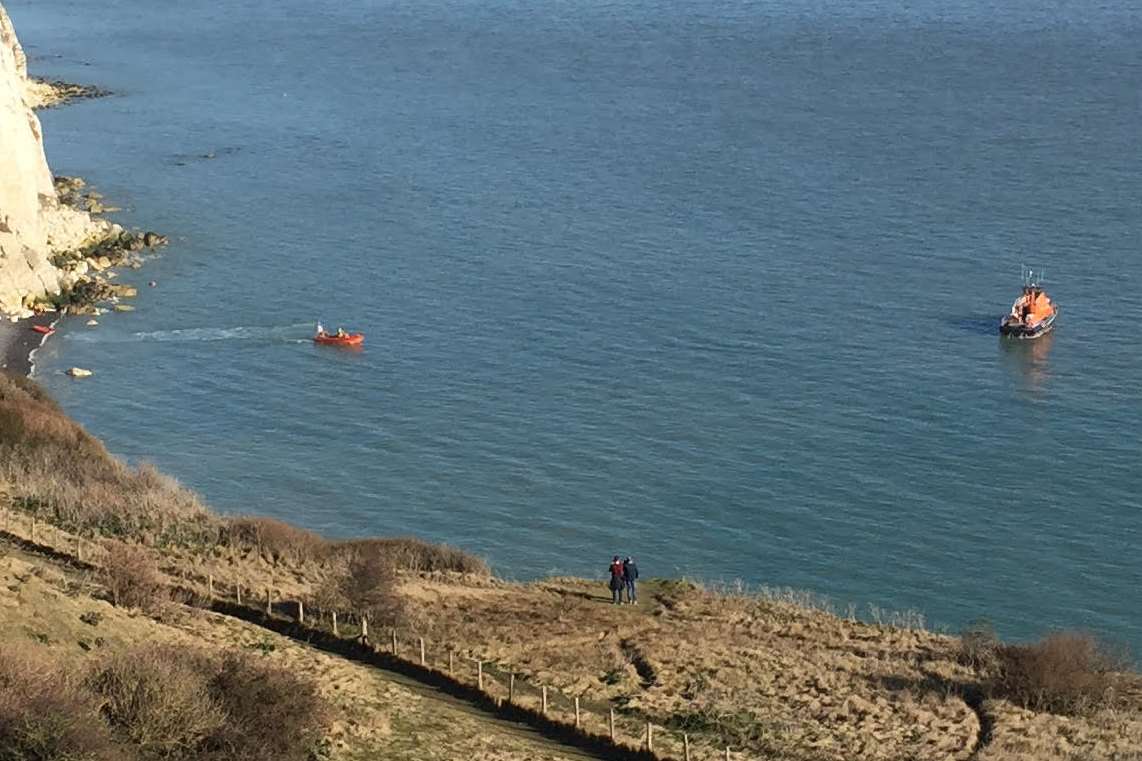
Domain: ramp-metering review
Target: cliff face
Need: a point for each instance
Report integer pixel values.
(33, 223)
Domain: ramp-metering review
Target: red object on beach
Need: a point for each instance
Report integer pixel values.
(47, 330)
(332, 339)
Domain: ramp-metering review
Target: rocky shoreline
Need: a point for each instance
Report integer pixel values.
(50, 93)
(57, 256)
(87, 276)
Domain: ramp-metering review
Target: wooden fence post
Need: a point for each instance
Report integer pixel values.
(33, 529)
(451, 667)
(612, 724)
(685, 747)
(480, 675)
(511, 688)
(364, 630)
(79, 548)
(238, 592)
(649, 737)
(394, 632)
(423, 660)
(727, 753)
(544, 699)
(269, 601)
(578, 720)
(300, 612)
(335, 634)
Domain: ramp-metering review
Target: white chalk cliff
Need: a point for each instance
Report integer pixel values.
(33, 223)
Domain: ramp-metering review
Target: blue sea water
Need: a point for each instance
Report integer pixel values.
(711, 282)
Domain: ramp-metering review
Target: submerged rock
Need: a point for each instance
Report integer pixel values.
(79, 372)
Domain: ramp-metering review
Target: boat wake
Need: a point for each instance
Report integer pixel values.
(278, 334)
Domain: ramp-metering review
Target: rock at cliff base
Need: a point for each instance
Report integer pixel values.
(124, 308)
(91, 323)
(79, 372)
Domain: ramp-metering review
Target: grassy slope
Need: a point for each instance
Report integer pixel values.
(771, 677)
(378, 717)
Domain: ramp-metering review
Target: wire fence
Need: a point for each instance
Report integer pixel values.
(573, 719)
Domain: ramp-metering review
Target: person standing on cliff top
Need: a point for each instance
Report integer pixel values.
(630, 576)
(617, 581)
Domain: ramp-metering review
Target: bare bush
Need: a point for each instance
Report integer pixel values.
(277, 540)
(979, 646)
(271, 714)
(365, 582)
(1065, 673)
(46, 716)
(133, 579)
(418, 556)
(158, 700)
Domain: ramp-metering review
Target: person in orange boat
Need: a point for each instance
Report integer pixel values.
(1022, 308)
(341, 333)
(1040, 305)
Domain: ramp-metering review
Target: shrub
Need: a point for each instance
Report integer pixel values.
(168, 702)
(46, 716)
(278, 540)
(418, 556)
(65, 475)
(1066, 673)
(271, 714)
(158, 700)
(364, 581)
(133, 580)
(979, 646)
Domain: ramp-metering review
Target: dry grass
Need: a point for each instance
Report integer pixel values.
(58, 472)
(278, 541)
(772, 673)
(45, 715)
(417, 556)
(61, 473)
(157, 702)
(374, 717)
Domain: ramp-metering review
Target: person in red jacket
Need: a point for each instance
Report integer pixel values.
(617, 581)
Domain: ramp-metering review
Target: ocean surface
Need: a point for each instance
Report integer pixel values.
(710, 282)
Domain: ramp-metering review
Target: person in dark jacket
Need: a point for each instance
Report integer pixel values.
(630, 576)
(618, 581)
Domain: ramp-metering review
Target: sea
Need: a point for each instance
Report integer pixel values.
(711, 283)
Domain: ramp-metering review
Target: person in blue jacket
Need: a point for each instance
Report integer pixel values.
(630, 576)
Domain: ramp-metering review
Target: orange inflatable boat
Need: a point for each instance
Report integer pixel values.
(339, 339)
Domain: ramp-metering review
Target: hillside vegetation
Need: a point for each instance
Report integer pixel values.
(769, 674)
